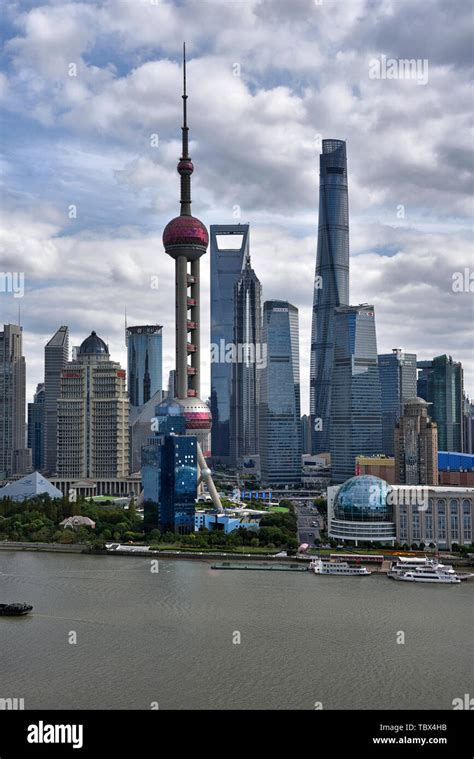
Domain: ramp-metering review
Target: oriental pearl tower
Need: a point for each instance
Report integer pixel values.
(185, 239)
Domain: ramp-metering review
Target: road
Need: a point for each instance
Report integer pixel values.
(309, 523)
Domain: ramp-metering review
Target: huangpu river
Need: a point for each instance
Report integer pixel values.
(108, 633)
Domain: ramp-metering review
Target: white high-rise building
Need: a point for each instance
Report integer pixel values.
(92, 440)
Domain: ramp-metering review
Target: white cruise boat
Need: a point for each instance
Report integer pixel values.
(408, 564)
(426, 574)
(321, 567)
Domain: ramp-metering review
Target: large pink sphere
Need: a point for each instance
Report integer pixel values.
(185, 230)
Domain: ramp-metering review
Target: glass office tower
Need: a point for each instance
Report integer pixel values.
(441, 383)
(36, 428)
(331, 284)
(169, 475)
(356, 417)
(246, 368)
(145, 362)
(14, 457)
(280, 415)
(229, 250)
(398, 384)
(56, 356)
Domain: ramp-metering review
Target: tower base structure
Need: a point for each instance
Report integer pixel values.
(206, 476)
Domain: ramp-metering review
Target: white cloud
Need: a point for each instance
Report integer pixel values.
(85, 139)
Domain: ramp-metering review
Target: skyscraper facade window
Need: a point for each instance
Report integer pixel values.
(331, 284)
(306, 433)
(280, 415)
(144, 362)
(356, 418)
(441, 383)
(229, 251)
(398, 384)
(248, 359)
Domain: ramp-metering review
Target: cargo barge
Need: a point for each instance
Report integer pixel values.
(261, 566)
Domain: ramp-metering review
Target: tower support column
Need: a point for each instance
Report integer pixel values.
(196, 317)
(181, 327)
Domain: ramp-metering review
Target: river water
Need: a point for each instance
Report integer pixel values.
(170, 638)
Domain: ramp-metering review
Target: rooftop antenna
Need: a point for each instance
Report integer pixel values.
(185, 166)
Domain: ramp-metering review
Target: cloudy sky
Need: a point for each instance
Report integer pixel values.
(85, 86)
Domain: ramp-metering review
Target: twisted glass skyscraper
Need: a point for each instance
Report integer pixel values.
(331, 284)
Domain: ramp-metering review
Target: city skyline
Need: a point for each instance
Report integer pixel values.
(236, 367)
(407, 204)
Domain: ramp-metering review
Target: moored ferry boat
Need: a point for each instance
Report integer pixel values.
(426, 574)
(321, 567)
(405, 564)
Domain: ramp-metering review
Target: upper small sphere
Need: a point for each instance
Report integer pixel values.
(185, 166)
(185, 230)
(93, 345)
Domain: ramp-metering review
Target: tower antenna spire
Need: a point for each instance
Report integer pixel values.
(185, 166)
(184, 128)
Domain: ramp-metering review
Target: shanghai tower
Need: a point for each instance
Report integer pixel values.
(331, 284)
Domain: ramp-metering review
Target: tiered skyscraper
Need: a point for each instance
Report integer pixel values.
(93, 415)
(416, 446)
(331, 286)
(15, 458)
(356, 417)
(246, 369)
(398, 383)
(280, 414)
(229, 251)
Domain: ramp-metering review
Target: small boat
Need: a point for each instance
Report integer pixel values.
(321, 567)
(14, 610)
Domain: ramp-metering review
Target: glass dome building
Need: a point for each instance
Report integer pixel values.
(359, 511)
(363, 499)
